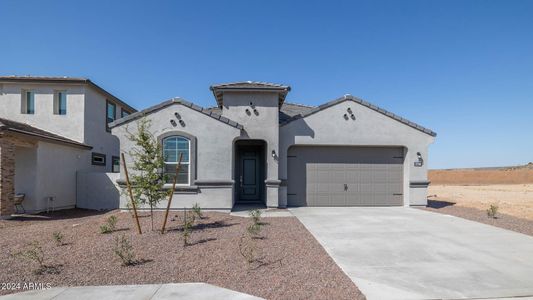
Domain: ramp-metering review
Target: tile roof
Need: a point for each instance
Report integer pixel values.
(206, 111)
(26, 129)
(313, 110)
(78, 80)
(218, 89)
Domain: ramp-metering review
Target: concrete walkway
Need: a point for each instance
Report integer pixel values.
(407, 253)
(200, 291)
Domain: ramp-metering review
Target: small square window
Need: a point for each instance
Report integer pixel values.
(115, 167)
(124, 113)
(98, 159)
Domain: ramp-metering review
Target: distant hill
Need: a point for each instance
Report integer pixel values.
(483, 176)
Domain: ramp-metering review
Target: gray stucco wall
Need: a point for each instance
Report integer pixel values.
(370, 128)
(262, 125)
(212, 188)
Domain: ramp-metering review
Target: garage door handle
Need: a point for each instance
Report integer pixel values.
(345, 187)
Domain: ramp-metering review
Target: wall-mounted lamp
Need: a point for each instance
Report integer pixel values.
(252, 105)
(177, 116)
(352, 116)
(173, 123)
(345, 116)
(256, 112)
(274, 153)
(182, 123)
(420, 161)
(349, 110)
(248, 112)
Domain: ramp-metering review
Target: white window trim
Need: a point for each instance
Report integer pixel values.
(175, 163)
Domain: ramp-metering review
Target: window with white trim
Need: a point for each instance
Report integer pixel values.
(173, 146)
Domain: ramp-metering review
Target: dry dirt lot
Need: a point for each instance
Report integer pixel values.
(512, 199)
(290, 263)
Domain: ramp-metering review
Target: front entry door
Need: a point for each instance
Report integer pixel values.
(249, 180)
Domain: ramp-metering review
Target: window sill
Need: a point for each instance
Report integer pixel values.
(183, 189)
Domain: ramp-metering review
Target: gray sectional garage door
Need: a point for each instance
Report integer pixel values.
(345, 176)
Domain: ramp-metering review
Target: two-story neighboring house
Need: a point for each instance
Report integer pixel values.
(51, 129)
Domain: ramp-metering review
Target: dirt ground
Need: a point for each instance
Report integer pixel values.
(512, 199)
(289, 263)
(485, 176)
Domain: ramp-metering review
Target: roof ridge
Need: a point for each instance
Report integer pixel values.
(169, 102)
(299, 104)
(349, 97)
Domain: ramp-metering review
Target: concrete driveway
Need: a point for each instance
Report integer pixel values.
(407, 253)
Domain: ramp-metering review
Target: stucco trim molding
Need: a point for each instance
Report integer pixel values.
(214, 183)
(364, 103)
(419, 184)
(170, 102)
(273, 183)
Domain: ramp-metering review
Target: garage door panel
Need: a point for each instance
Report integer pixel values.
(317, 176)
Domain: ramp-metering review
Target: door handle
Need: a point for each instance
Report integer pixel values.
(240, 180)
(345, 187)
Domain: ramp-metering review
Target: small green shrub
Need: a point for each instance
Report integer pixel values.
(188, 222)
(58, 238)
(254, 229)
(197, 210)
(255, 214)
(34, 253)
(492, 212)
(109, 226)
(124, 250)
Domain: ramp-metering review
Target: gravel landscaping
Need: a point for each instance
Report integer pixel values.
(290, 263)
(503, 220)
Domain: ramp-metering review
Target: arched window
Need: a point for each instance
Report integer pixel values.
(173, 146)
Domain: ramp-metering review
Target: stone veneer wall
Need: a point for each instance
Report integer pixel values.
(7, 176)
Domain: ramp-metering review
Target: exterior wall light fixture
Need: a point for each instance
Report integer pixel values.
(274, 153)
(182, 123)
(420, 161)
(173, 123)
(177, 116)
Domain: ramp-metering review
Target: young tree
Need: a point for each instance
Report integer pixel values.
(148, 163)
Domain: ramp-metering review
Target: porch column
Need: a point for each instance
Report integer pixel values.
(7, 177)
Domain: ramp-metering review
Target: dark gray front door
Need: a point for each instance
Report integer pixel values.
(250, 183)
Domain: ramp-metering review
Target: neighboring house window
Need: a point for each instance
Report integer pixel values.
(98, 159)
(115, 164)
(173, 146)
(124, 113)
(28, 102)
(60, 103)
(111, 114)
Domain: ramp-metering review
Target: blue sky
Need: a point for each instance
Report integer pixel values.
(461, 68)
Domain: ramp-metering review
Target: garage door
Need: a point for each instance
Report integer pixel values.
(345, 176)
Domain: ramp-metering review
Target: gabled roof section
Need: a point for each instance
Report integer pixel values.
(22, 128)
(177, 100)
(66, 80)
(218, 89)
(364, 103)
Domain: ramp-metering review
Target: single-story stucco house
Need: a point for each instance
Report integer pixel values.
(255, 148)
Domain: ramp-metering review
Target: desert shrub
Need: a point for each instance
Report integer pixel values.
(492, 212)
(109, 226)
(124, 250)
(34, 253)
(255, 214)
(254, 229)
(58, 238)
(197, 210)
(188, 222)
